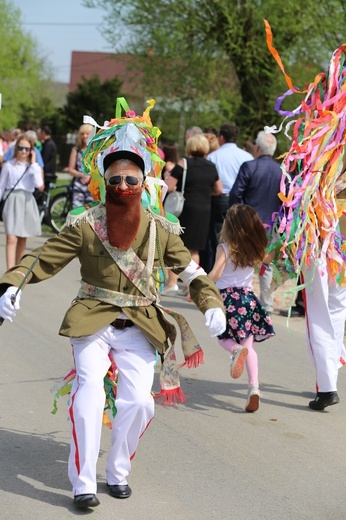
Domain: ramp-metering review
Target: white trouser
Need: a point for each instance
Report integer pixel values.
(325, 321)
(135, 359)
(266, 294)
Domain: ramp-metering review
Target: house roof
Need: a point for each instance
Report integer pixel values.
(106, 66)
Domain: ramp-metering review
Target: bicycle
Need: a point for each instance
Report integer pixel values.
(43, 198)
(59, 207)
(53, 210)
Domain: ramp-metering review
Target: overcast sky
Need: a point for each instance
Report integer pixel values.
(60, 27)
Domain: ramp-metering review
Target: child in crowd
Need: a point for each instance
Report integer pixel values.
(242, 248)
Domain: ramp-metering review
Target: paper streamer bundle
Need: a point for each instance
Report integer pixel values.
(307, 225)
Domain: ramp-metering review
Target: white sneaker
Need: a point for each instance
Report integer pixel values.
(238, 361)
(170, 291)
(253, 399)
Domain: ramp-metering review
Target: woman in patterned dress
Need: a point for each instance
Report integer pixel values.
(81, 194)
(242, 248)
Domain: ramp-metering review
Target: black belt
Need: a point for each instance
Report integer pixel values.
(121, 323)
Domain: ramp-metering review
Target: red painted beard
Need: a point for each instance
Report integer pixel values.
(123, 211)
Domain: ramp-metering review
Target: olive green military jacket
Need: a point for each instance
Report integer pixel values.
(87, 316)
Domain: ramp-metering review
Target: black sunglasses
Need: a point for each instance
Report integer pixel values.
(129, 179)
(21, 148)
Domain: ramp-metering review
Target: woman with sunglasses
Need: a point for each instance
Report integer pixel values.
(19, 178)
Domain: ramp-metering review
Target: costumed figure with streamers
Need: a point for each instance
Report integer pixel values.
(308, 240)
(116, 324)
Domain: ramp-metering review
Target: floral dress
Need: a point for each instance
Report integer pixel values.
(81, 194)
(245, 314)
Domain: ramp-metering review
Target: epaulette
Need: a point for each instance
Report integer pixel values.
(83, 213)
(168, 221)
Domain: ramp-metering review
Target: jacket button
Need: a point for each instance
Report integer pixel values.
(125, 288)
(102, 253)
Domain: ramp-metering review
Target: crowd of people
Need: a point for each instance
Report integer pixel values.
(230, 198)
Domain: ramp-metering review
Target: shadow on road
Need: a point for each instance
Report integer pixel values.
(203, 395)
(35, 466)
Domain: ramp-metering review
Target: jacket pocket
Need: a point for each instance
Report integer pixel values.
(100, 259)
(81, 307)
(78, 312)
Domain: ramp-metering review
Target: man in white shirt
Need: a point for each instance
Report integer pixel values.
(228, 160)
(229, 157)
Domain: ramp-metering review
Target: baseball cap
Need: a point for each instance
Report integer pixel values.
(124, 154)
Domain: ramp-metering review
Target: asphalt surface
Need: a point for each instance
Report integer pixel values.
(205, 459)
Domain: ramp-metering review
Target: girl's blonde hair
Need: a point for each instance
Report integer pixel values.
(83, 128)
(245, 236)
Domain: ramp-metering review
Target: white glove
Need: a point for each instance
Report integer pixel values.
(7, 308)
(215, 319)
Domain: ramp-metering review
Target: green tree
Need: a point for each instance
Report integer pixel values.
(39, 113)
(91, 98)
(184, 99)
(216, 50)
(21, 68)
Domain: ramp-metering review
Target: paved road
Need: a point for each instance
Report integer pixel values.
(206, 459)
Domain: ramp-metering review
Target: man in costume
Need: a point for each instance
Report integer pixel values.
(123, 240)
(309, 229)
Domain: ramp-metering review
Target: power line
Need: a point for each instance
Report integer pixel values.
(59, 24)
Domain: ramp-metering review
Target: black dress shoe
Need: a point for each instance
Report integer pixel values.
(85, 501)
(296, 312)
(324, 399)
(119, 491)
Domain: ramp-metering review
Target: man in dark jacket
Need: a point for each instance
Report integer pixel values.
(257, 185)
(48, 153)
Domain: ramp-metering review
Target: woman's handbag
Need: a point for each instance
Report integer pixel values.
(2, 205)
(174, 201)
(2, 201)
